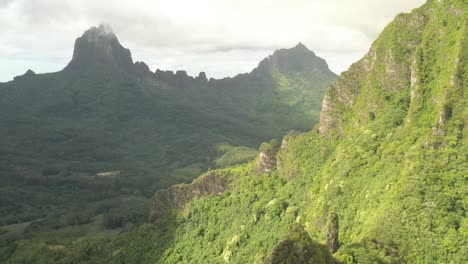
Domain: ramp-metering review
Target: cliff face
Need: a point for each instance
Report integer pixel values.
(384, 73)
(177, 196)
(395, 123)
(266, 160)
(388, 158)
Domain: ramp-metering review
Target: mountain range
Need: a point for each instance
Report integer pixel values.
(381, 178)
(105, 127)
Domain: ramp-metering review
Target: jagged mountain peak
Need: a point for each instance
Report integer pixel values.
(99, 46)
(296, 59)
(99, 33)
(301, 48)
(27, 74)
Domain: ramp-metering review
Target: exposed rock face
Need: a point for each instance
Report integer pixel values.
(384, 69)
(99, 47)
(333, 232)
(269, 159)
(343, 93)
(282, 158)
(177, 196)
(288, 137)
(266, 161)
(298, 247)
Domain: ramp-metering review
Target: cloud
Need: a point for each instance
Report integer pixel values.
(220, 37)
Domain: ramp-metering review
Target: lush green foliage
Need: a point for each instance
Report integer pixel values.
(298, 247)
(230, 155)
(392, 166)
(394, 172)
(59, 130)
(74, 144)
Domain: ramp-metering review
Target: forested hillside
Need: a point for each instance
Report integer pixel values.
(83, 149)
(381, 179)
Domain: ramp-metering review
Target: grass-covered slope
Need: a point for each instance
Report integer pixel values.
(389, 159)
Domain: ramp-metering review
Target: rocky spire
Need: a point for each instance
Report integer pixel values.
(27, 74)
(201, 78)
(99, 47)
(296, 59)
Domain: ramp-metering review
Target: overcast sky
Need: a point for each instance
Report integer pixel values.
(220, 37)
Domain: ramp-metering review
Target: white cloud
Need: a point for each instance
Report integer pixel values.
(219, 37)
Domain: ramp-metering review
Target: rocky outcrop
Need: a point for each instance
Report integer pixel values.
(27, 74)
(270, 158)
(201, 78)
(444, 115)
(333, 232)
(284, 156)
(164, 76)
(180, 79)
(387, 70)
(266, 161)
(296, 59)
(298, 247)
(99, 47)
(177, 196)
(141, 68)
(292, 134)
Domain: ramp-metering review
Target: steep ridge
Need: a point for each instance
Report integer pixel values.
(396, 122)
(381, 179)
(388, 158)
(403, 109)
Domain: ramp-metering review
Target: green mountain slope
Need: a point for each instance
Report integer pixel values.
(107, 128)
(381, 179)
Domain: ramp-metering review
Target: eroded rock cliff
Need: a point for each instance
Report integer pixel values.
(177, 196)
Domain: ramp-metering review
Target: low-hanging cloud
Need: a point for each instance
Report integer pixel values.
(220, 37)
